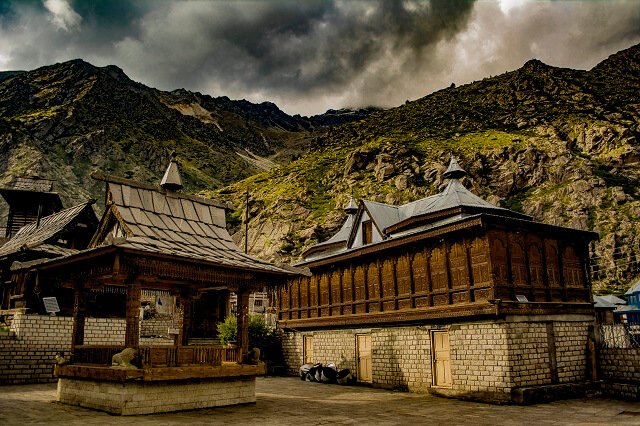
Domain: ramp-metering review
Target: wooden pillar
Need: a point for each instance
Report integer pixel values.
(187, 312)
(467, 248)
(132, 333)
(242, 316)
(79, 315)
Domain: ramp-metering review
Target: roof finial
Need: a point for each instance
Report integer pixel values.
(171, 179)
(351, 207)
(454, 171)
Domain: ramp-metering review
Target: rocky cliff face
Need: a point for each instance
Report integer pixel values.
(558, 144)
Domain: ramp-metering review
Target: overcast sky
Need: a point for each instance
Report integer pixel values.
(308, 56)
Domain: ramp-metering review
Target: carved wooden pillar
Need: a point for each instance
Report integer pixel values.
(545, 272)
(132, 333)
(394, 268)
(412, 284)
(242, 316)
(512, 288)
(563, 284)
(467, 249)
(186, 301)
(380, 289)
(79, 315)
(427, 259)
(447, 256)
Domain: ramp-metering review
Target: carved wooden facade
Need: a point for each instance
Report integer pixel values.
(477, 271)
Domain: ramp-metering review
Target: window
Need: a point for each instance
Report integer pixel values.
(367, 232)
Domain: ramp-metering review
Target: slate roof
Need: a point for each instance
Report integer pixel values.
(35, 237)
(601, 303)
(161, 221)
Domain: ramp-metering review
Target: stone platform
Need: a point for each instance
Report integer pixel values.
(157, 390)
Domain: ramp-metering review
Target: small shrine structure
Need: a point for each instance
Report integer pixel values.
(155, 238)
(448, 294)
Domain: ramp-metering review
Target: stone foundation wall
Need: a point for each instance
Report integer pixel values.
(133, 398)
(27, 352)
(488, 359)
(620, 372)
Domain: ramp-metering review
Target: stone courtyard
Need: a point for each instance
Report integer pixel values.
(286, 401)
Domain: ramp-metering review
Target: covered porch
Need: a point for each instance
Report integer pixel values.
(88, 378)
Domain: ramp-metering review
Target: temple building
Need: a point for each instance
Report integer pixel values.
(155, 238)
(448, 294)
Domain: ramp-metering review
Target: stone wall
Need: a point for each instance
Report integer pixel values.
(27, 352)
(619, 368)
(488, 359)
(145, 398)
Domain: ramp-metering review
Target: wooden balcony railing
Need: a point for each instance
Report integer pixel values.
(160, 356)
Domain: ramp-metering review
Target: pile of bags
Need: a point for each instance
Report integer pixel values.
(326, 374)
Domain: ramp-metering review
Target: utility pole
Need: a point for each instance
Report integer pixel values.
(246, 222)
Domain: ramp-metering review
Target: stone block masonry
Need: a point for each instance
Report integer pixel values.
(132, 398)
(488, 359)
(620, 372)
(27, 352)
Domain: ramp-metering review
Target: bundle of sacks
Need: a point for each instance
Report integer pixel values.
(326, 374)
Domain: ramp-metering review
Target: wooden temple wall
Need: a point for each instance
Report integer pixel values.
(445, 273)
(499, 264)
(542, 269)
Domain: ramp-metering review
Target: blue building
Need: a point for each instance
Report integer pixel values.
(632, 311)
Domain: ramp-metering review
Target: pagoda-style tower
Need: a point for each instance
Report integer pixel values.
(29, 199)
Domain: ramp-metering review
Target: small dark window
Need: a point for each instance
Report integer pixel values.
(367, 232)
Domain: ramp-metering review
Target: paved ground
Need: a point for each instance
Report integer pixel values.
(289, 401)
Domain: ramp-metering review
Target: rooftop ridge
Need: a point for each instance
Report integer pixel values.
(105, 177)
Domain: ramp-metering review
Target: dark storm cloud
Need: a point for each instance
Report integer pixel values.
(312, 55)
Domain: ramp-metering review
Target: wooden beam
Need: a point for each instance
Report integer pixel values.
(132, 333)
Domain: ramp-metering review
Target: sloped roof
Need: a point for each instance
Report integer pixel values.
(34, 184)
(33, 236)
(610, 298)
(161, 221)
(339, 239)
(635, 287)
(384, 215)
(601, 303)
(453, 204)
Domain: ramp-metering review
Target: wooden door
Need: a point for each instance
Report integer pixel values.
(363, 349)
(308, 349)
(441, 359)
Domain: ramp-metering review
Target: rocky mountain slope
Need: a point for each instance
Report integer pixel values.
(558, 144)
(66, 120)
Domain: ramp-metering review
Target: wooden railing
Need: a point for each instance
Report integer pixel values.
(95, 354)
(160, 356)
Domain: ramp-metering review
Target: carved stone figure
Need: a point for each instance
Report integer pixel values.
(123, 359)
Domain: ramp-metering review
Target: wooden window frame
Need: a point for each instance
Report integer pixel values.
(367, 232)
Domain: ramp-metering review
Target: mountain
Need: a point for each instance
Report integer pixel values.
(65, 120)
(556, 143)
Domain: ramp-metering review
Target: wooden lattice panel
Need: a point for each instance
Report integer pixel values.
(518, 261)
(419, 268)
(572, 271)
(439, 269)
(458, 266)
(480, 265)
